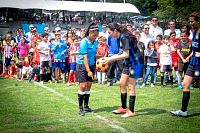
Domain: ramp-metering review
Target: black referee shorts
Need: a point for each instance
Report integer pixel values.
(81, 73)
(190, 70)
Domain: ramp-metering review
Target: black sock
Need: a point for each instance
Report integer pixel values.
(185, 100)
(162, 79)
(41, 77)
(86, 100)
(132, 103)
(123, 100)
(171, 79)
(80, 100)
(49, 76)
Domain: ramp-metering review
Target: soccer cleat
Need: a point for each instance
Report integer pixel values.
(6, 77)
(76, 84)
(81, 112)
(120, 110)
(50, 81)
(152, 85)
(142, 86)
(2, 74)
(68, 84)
(128, 114)
(110, 83)
(137, 85)
(162, 86)
(88, 109)
(191, 87)
(11, 77)
(179, 86)
(179, 113)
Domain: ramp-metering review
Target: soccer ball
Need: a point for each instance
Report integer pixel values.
(196, 73)
(99, 65)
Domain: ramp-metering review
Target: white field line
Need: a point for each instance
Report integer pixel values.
(106, 121)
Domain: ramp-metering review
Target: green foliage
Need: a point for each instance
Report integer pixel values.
(176, 9)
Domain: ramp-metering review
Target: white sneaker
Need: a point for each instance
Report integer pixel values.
(76, 84)
(68, 84)
(143, 85)
(179, 113)
(152, 85)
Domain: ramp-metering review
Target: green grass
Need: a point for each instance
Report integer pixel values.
(28, 107)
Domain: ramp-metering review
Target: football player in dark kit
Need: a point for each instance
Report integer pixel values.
(133, 66)
(85, 67)
(194, 66)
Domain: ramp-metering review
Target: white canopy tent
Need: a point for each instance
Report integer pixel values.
(69, 6)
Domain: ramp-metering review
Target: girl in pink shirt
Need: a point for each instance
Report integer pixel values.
(23, 48)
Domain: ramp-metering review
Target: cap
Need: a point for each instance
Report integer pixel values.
(46, 28)
(104, 25)
(31, 26)
(57, 28)
(57, 33)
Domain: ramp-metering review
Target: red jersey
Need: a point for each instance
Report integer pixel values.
(102, 50)
(36, 56)
(174, 46)
(73, 48)
(8, 51)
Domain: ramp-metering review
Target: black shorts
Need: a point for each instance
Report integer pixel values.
(44, 64)
(190, 71)
(182, 67)
(166, 68)
(81, 73)
(126, 70)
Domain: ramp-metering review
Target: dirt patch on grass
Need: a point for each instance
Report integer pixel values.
(49, 128)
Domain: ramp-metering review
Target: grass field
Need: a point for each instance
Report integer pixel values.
(31, 107)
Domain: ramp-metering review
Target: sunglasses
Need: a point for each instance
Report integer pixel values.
(191, 21)
(146, 28)
(155, 20)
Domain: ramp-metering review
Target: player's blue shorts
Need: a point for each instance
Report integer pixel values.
(136, 71)
(7, 61)
(72, 66)
(61, 65)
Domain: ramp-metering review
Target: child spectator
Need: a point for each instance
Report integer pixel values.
(102, 51)
(36, 55)
(45, 58)
(174, 44)
(13, 69)
(152, 59)
(23, 49)
(74, 51)
(35, 72)
(8, 52)
(59, 49)
(1, 61)
(165, 60)
(158, 43)
(184, 53)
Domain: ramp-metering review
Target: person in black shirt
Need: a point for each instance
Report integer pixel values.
(133, 66)
(194, 66)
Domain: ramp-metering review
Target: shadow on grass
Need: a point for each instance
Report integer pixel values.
(147, 111)
(192, 115)
(106, 109)
(150, 111)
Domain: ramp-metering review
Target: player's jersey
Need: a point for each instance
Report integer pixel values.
(195, 48)
(73, 48)
(8, 51)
